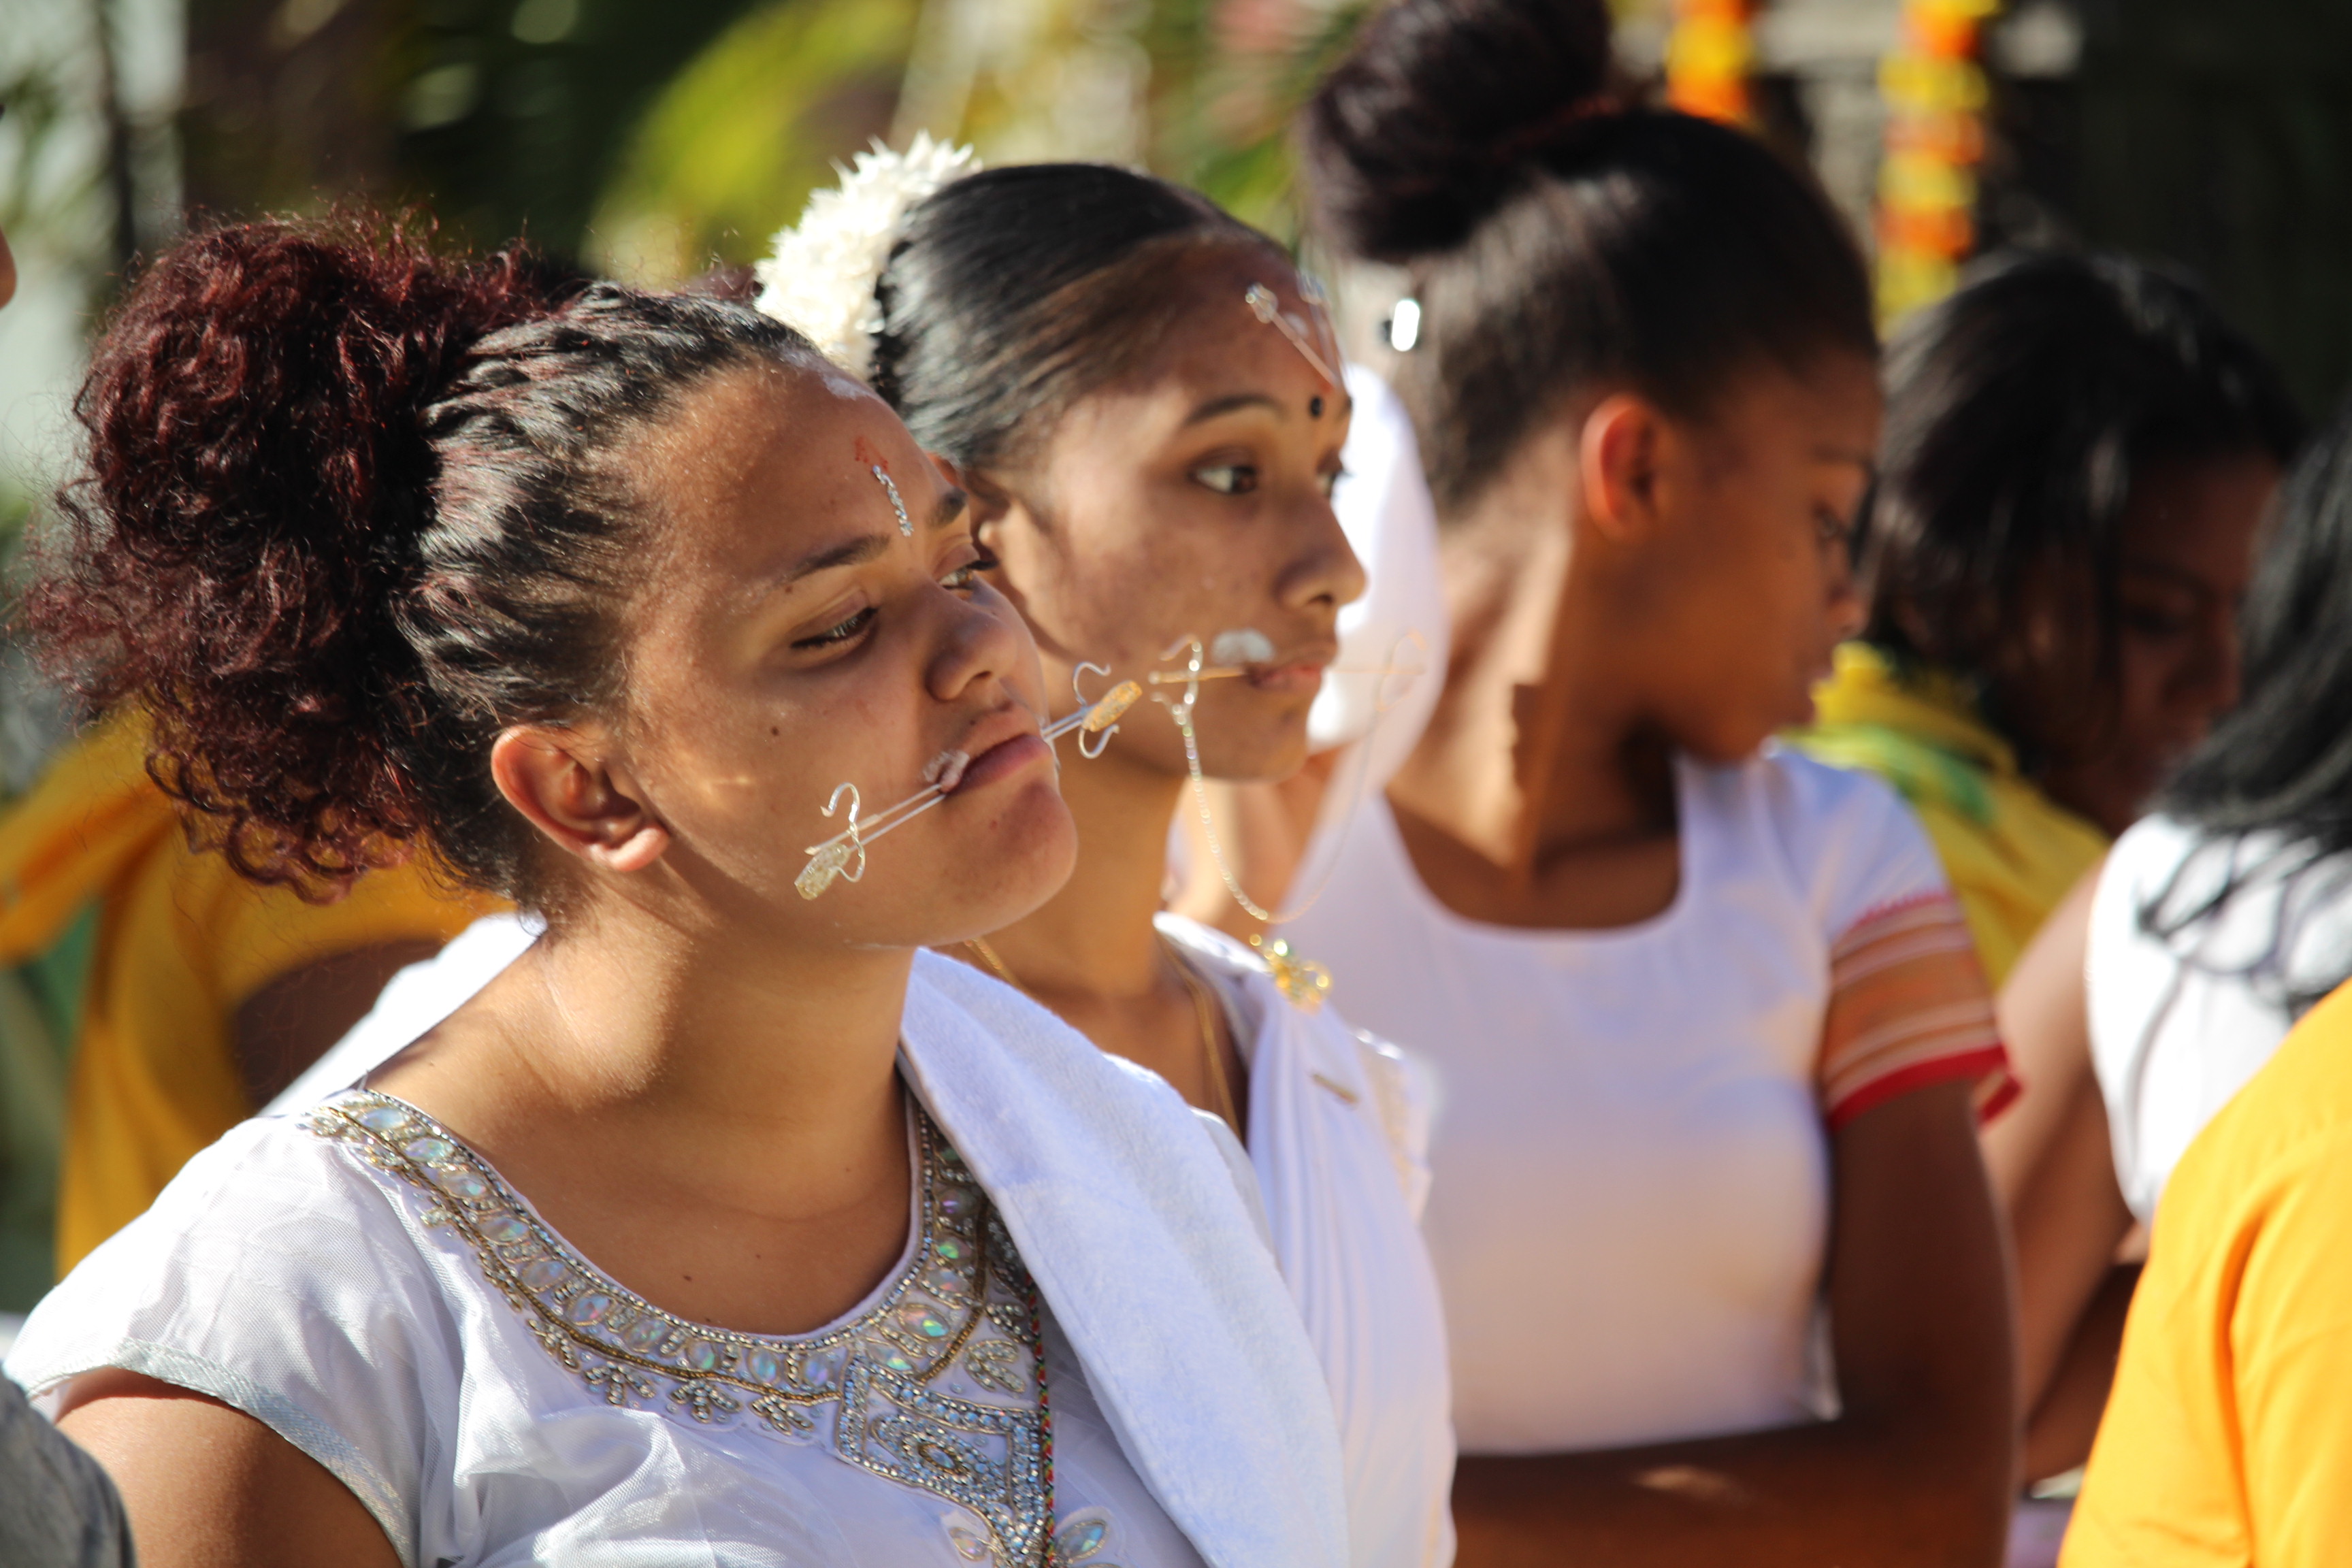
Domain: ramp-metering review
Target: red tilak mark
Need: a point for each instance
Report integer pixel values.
(867, 455)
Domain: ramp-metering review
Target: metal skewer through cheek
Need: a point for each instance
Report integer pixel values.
(843, 856)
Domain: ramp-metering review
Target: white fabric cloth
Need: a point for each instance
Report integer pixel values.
(1632, 1167)
(1338, 1138)
(2179, 1021)
(1341, 1186)
(279, 1274)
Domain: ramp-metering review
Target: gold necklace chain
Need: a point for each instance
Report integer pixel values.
(1205, 1013)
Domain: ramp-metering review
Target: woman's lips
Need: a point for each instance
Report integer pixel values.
(1002, 760)
(1288, 679)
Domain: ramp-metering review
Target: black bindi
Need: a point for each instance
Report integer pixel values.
(1314, 407)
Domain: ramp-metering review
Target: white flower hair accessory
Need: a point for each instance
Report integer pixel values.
(821, 276)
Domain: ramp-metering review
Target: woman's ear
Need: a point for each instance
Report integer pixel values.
(1618, 458)
(586, 802)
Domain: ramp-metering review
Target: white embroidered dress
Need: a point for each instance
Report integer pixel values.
(357, 1279)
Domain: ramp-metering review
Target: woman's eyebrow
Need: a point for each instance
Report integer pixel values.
(949, 508)
(1217, 406)
(849, 553)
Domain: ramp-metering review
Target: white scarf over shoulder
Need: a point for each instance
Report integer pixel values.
(1129, 1221)
(1338, 1134)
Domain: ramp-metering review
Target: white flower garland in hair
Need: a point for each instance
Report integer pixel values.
(821, 276)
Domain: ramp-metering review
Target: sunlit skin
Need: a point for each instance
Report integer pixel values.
(1192, 499)
(1691, 601)
(1637, 583)
(691, 1008)
(2188, 530)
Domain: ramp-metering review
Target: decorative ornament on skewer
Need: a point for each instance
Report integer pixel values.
(1249, 650)
(842, 857)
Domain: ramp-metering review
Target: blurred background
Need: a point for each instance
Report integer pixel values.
(658, 140)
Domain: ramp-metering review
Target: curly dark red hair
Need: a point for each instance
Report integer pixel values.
(343, 519)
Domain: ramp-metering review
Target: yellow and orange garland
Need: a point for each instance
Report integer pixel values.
(1710, 55)
(1936, 95)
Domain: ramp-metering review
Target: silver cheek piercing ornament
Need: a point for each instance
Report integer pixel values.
(1249, 650)
(842, 857)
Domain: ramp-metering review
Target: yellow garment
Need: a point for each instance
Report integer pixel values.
(2010, 850)
(2228, 1439)
(183, 942)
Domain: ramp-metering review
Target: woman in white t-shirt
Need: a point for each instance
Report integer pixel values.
(725, 1225)
(1722, 1274)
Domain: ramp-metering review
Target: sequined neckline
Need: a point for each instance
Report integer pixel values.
(930, 1383)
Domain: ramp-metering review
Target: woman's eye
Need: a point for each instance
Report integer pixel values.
(842, 633)
(967, 576)
(1834, 529)
(1330, 481)
(1227, 478)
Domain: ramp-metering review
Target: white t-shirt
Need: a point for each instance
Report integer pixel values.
(1631, 1186)
(2180, 1021)
(493, 1398)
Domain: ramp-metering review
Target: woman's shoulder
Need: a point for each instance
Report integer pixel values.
(1844, 838)
(275, 1226)
(275, 1273)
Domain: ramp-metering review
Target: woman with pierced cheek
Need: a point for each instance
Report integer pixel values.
(1147, 413)
(1151, 468)
(701, 1233)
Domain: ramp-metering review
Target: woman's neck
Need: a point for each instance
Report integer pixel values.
(780, 1063)
(1538, 795)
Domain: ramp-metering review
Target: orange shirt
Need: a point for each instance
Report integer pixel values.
(182, 943)
(2228, 1439)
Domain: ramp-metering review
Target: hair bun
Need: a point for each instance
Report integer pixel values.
(1437, 109)
(255, 485)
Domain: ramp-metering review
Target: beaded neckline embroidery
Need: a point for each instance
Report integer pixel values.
(931, 1386)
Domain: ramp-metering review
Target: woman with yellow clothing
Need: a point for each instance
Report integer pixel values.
(205, 993)
(2078, 456)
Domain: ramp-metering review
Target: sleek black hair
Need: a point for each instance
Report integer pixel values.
(2021, 410)
(2281, 761)
(1557, 240)
(1015, 292)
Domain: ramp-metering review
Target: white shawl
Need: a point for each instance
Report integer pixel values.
(1338, 1134)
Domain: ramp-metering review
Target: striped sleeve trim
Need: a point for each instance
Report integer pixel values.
(1910, 1008)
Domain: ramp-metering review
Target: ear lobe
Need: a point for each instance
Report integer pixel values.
(586, 803)
(1618, 457)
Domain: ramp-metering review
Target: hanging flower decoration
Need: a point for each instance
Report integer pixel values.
(1936, 95)
(1709, 56)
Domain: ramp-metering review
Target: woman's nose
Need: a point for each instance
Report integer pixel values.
(984, 637)
(1326, 570)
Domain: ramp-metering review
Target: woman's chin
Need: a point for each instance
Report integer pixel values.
(1007, 866)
